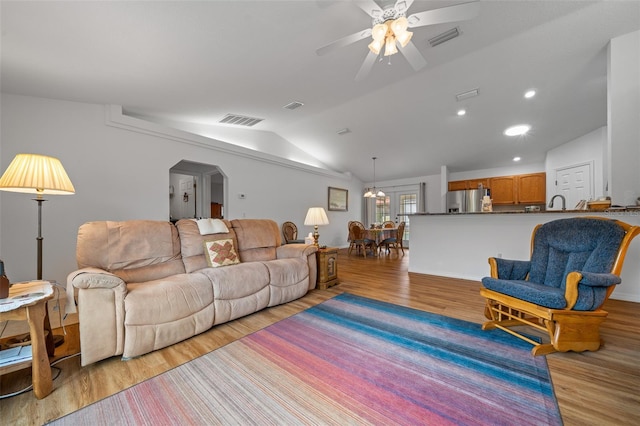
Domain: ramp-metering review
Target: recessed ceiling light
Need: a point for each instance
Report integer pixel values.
(516, 158)
(518, 130)
(462, 112)
(530, 93)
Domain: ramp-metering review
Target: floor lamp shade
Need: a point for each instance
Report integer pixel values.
(36, 174)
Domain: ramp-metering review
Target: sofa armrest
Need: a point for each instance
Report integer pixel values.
(303, 251)
(509, 269)
(288, 251)
(88, 278)
(101, 313)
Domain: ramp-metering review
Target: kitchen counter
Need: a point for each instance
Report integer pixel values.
(632, 210)
(459, 244)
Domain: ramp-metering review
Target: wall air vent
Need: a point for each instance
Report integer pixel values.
(240, 120)
(445, 36)
(293, 105)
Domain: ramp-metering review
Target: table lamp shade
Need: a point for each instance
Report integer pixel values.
(36, 174)
(316, 216)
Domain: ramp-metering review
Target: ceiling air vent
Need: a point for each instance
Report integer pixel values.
(293, 105)
(445, 36)
(240, 120)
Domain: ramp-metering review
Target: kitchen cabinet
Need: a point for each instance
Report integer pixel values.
(506, 190)
(459, 185)
(519, 189)
(532, 188)
(503, 190)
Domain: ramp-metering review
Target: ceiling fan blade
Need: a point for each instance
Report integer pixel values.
(370, 7)
(403, 5)
(366, 66)
(344, 41)
(413, 55)
(459, 12)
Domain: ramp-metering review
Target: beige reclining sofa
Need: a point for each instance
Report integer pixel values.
(144, 285)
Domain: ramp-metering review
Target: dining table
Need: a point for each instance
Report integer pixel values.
(378, 235)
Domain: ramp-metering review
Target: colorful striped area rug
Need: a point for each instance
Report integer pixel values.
(347, 361)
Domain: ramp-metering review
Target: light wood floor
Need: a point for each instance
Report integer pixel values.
(592, 388)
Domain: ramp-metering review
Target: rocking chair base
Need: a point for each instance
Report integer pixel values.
(568, 330)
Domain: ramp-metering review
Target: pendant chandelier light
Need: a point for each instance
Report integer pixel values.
(373, 193)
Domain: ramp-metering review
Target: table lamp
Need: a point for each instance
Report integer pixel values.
(316, 216)
(40, 175)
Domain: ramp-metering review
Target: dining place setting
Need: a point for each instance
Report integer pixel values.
(377, 238)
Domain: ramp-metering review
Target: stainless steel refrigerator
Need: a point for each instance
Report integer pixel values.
(466, 201)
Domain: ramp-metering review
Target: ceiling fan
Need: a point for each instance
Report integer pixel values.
(389, 29)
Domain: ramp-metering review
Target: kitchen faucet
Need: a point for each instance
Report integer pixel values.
(564, 202)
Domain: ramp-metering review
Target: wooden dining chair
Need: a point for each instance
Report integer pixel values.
(388, 224)
(290, 233)
(394, 242)
(357, 239)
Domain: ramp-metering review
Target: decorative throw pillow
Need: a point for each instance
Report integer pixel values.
(211, 226)
(221, 253)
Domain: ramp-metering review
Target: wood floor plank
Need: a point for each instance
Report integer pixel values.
(592, 388)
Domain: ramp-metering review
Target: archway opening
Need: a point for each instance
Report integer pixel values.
(196, 190)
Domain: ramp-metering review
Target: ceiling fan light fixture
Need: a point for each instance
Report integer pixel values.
(376, 46)
(404, 38)
(399, 28)
(390, 46)
(379, 31)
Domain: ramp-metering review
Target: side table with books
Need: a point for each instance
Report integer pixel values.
(27, 301)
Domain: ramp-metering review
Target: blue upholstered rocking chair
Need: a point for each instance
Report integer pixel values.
(575, 265)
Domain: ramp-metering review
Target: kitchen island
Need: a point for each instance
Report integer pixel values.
(458, 244)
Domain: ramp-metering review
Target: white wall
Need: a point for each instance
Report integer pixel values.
(499, 171)
(122, 174)
(623, 110)
(586, 149)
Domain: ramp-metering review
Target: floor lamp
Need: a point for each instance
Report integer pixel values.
(40, 175)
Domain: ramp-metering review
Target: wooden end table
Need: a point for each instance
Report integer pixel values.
(27, 301)
(327, 259)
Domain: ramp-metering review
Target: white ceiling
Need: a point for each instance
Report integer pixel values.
(194, 62)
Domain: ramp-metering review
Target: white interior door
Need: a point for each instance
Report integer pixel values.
(187, 208)
(575, 184)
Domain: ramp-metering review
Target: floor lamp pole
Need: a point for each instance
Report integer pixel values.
(39, 238)
(48, 339)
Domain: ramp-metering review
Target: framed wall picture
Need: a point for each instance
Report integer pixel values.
(338, 199)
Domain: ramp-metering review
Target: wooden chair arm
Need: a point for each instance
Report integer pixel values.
(493, 264)
(571, 289)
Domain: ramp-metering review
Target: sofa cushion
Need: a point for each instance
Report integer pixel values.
(221, 253)
(192, 243)
(257, 239)
(168, 299)
(238, 290)
(134, 250)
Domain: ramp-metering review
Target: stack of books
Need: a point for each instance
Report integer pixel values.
(15, 355)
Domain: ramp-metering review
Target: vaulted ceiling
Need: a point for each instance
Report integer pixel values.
(191, 63)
